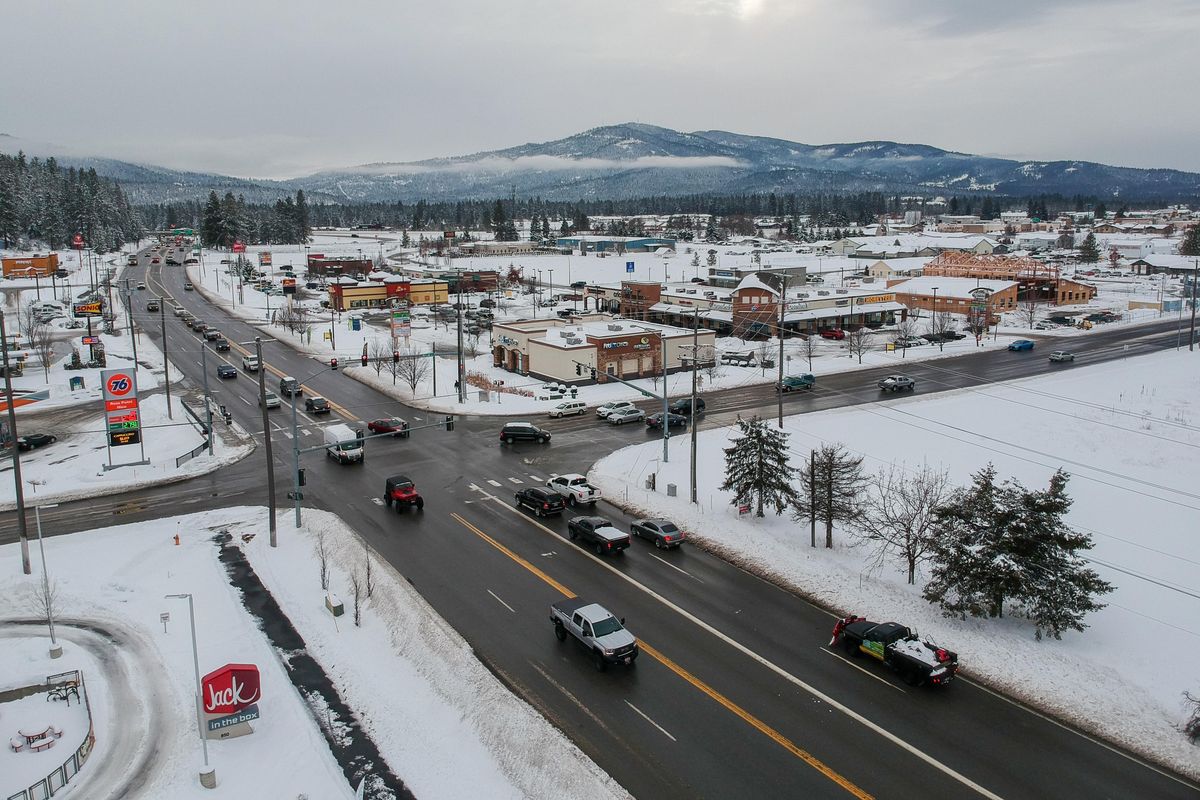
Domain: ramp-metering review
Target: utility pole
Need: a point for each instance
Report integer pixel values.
(779, 331)
(695, 366)
(162, 318)
(1192, 331)
(460, 383)
(266, 421)
(22, 530)
(207, 398)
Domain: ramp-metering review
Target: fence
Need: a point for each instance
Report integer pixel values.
(190, 454)
(51, 784)
(202, 425)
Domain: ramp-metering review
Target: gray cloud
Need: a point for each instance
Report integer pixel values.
(276, 89)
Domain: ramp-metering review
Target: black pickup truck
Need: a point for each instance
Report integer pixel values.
(918, 661)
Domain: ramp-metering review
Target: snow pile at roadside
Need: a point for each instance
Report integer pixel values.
(1128, 432)
(440, 718)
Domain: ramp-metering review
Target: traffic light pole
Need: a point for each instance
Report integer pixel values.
(18, 485)
(266, 421)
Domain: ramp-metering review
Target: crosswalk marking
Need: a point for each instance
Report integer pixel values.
(535, 478)
(494, 483)
(515, 480)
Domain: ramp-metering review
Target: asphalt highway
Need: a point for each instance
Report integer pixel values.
(735, 694)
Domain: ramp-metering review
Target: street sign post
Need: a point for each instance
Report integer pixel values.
(629, 265)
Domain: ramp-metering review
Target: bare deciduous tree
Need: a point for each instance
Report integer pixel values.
(44, 599)
(27, 321)
(977, 322)
(42, 342)
(858, 342)
(1191, 727)
(412, 369)
(356, 586)
(896, 518)
(1029, 309)
(323, 560)
(471, 344)
(369, 581)
(379, 354)
(939, 325)
(808, 348)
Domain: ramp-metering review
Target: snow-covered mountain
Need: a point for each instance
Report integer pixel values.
(635, 159)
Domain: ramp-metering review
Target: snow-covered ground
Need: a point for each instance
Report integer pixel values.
(116, 578)
(1129, 434)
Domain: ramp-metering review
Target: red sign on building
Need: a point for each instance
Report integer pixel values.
(230, 689)
(77, 241)
(238, 247)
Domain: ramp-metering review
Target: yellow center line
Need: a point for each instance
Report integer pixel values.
(659, 656)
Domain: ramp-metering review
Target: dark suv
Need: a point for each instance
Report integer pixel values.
(400, 491)
(683, 406)
(542, 502)
(523, 432)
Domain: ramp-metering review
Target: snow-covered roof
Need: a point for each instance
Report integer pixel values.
(758, 281)
(949, 287)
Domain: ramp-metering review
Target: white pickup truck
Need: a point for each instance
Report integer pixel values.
(250, 363)
(575, 488)
(595, 628)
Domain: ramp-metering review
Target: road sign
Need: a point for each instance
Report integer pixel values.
(238, 247)
(448, 234)
(629, 265)
(77, 241)
(90, 339)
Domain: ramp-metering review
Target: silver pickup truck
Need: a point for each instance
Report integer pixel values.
(596, 629)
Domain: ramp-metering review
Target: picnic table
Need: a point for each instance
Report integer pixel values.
(35, 735)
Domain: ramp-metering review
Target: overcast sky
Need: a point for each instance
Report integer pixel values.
(261, 88)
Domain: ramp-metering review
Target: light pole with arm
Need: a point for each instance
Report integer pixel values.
(266, 422)
(18, 486)
(208, 776)
(665, 425)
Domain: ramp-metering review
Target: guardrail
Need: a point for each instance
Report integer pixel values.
(190, 454)
(60, 777)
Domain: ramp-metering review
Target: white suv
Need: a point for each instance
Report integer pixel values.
(570, 407)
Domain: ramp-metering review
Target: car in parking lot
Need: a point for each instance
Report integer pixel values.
(315, 404)
(32, 441)
(908, 341)
(523, 432)
(897, 383)
(393, 425)
(833, 333)
(673, 420)
(1020, 345)
(1059, 356)
(271, 400)
(616, 405)
(662, 532)
(541, 501)
(626, 415)
(226, 371)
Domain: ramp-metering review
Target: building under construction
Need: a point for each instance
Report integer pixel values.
(1035, 280)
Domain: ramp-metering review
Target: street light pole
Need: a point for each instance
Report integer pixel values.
(695, 365)
(162, 318)
(266, 422)
(18, 485)
(295, 461)
(936, 329)
(55, 647)
(207, 397)
(208, 778)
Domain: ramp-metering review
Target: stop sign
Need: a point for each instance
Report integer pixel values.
(77, 241)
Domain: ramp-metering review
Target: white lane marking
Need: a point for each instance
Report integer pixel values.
(501, 602)
(866, 672)
(1091, 739)
(535, 478)
(778, 670)
(495, 483)
(642, 714)
(244, 400)
(376, 501)
(305, 432)
(573, 699)
(672, 566)
(515, 480)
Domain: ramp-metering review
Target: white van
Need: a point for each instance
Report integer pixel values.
(344, 444)
(569, 408)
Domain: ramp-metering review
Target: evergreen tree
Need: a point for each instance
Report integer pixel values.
(711, 234)
(998, 544)
(1100, 213)
(1089, 251)
(210, 228)
(303, 228)
(757, 469)
(1190, 246)
(712, 258)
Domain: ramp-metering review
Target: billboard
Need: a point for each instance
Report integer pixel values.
(230, 696)
(401, 319)
(121, 411)
(264, 258)
(92, 308)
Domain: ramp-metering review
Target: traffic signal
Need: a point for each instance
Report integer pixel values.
(593, 373)
(333, 364)
(300, 477)
(579, 369)
(449, 423)
(395, 356)
(364, 359)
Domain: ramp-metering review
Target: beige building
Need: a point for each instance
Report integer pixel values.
(568, 350)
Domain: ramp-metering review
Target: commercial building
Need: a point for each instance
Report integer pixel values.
(614, 244)
(331, 267)
(1037, 281)
(29, 266)
(955, 295)
(567, 350)
(347, 294)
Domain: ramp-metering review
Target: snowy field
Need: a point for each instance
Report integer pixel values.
(116, 578)
(1129, 434)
